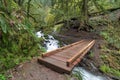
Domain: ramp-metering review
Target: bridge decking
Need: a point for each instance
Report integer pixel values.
(64, 59)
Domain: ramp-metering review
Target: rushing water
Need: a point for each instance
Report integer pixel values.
(86, 75)
(51, 43)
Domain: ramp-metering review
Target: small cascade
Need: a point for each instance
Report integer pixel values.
(51, 44)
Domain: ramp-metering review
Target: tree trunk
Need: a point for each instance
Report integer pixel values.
(28, 8)
(0, 34)
(84, 16)
(20, 2)
(85, 11)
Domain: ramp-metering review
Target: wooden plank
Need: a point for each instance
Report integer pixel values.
(77, 49)
(63, 56)
(71, 60)
(55, 65)
(72, 50)
(66, 57)
(60, 49)
(58, 63)
(81, 56)
(59, 58)
(63, 61)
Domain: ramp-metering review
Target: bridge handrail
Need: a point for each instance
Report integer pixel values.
(71, 60)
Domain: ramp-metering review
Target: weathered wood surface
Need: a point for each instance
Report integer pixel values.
(64, 59)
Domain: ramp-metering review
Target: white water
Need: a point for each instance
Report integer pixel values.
(86, 75)
(51, 44)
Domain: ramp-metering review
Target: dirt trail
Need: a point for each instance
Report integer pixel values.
(32, 70)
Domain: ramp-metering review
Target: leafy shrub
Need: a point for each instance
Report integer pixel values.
(111, 34)
(111, 49)
(18, 41)
(107, 69)
(2, 77)
(77, 74)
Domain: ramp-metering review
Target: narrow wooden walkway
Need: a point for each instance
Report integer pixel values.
(64, 59)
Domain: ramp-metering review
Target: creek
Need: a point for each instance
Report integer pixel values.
(51, 44)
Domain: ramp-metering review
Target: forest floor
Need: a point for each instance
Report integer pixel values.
(32, 70)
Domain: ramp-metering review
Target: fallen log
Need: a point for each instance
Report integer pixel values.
(103, 12)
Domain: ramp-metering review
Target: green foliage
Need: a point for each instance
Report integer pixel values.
(77, 74)
(3, 25)
(107, 69)
(40, 11)
(110, 60)
(111, 49)
(91, 54)
(18, 21)
(57, 28)
(2, 77)
(107, 4)
(111, 34)
(17, 37)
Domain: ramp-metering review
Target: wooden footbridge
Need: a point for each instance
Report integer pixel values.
(64, 59)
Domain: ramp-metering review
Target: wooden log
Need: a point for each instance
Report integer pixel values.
(71, 60)
(103, 12)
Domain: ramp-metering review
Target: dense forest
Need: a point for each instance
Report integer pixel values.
(21, 19)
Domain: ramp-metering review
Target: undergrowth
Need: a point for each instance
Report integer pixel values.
(106, 69)
(2, 77)
(77, 74)
(18, 41)
(111, 50)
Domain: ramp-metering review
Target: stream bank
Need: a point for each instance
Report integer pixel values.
(32, 70)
